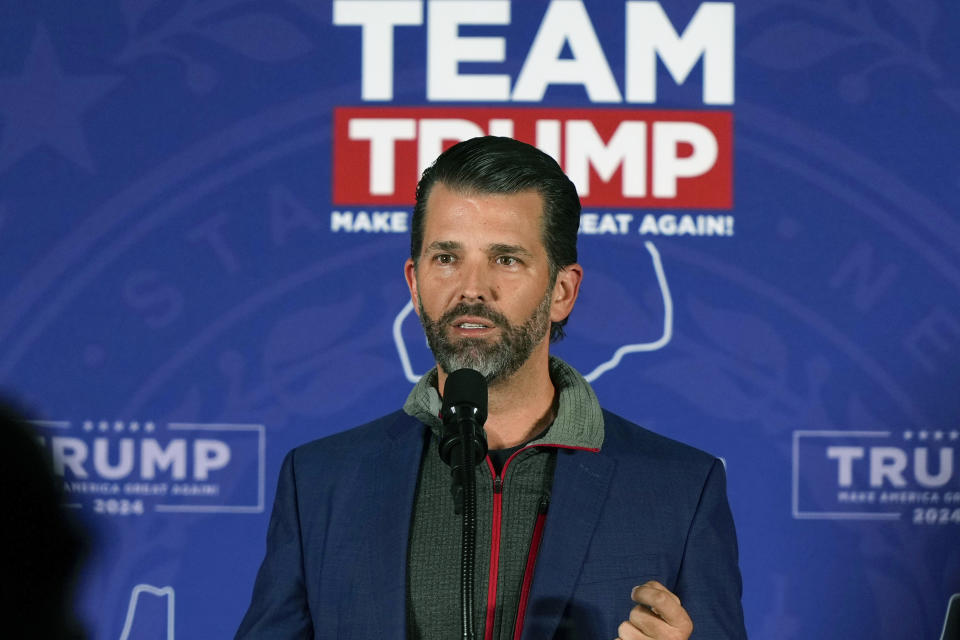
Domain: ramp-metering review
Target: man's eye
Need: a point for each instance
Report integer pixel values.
(444, 258)
(507, 261)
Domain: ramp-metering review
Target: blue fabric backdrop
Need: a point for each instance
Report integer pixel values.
(193, 281)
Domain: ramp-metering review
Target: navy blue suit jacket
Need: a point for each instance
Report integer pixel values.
(643, 508)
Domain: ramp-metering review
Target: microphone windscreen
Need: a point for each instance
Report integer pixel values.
(466, 386)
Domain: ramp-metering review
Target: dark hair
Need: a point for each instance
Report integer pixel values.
(492, 164)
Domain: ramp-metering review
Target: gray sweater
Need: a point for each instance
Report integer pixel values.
(517, 497)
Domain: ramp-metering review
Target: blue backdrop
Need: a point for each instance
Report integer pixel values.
(193, 281)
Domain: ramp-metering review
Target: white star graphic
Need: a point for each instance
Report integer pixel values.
(923, 434)
(938, 435)
(954, 435)
(908, 435)
(44, 107)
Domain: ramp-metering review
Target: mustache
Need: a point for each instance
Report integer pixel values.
(478, 310)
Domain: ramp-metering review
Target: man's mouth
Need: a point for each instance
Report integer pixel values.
(472, 322)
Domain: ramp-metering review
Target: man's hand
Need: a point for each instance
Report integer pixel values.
(658, 615)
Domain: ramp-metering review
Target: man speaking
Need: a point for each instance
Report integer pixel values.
(587, 526)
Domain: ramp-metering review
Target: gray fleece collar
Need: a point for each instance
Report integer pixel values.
(579, 421)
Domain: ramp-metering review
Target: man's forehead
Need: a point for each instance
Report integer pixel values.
(454, 193)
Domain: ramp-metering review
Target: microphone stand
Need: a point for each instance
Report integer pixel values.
(468, 533)
(462, 446)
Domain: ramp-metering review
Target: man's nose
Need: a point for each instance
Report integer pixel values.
(477, 283)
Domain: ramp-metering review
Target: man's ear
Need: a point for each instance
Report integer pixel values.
(565, 291)
(410, 273)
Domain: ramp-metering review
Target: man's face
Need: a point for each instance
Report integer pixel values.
(482, 287)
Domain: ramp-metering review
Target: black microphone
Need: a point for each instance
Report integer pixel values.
(463, 442)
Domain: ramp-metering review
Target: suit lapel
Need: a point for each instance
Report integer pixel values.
(382, 582)
(579, 492)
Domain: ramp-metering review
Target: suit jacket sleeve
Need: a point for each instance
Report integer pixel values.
(279, 607)
(709, 584)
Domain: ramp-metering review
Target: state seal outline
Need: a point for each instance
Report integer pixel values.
(168, 596)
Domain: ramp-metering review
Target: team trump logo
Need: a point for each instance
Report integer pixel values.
(128, 468)
(622, 151)
(877, 475)
(616, 158)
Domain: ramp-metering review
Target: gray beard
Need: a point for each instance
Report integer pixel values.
(495, 359)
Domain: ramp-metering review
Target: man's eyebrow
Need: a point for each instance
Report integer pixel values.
(444, 245)
(514, 249)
